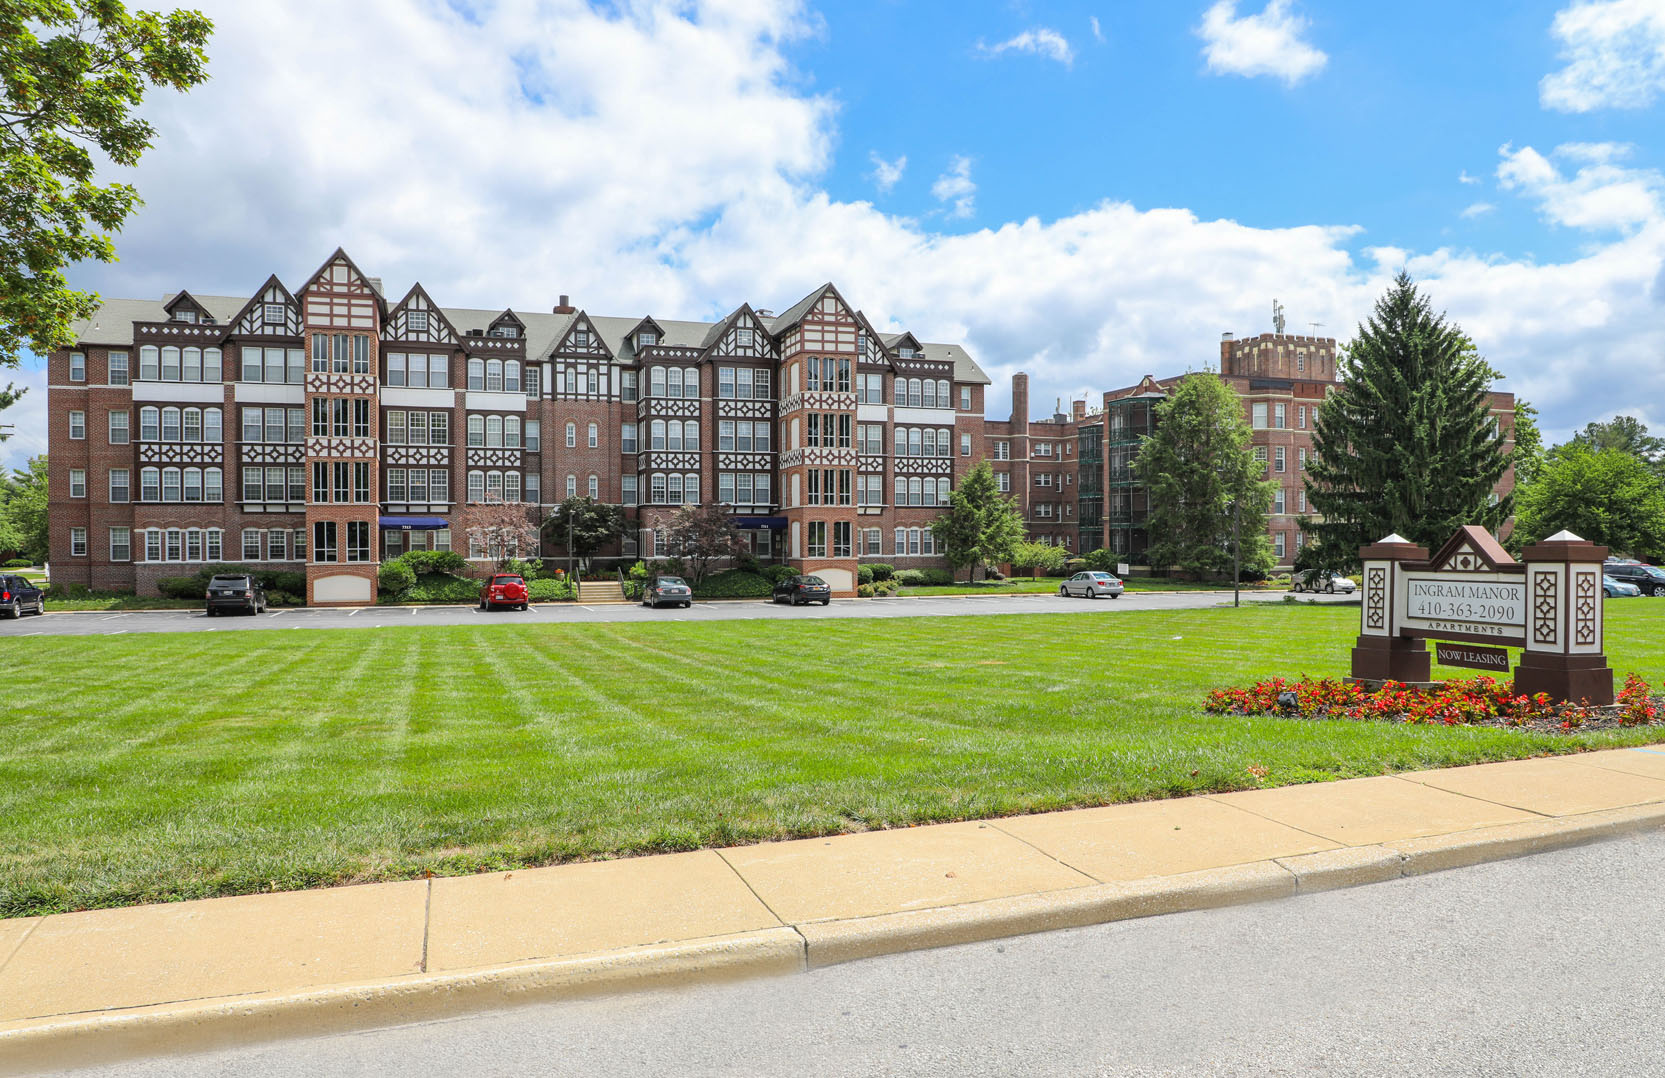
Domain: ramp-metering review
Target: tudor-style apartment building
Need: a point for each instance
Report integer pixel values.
(327, 427)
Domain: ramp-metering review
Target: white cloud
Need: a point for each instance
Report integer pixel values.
(1098, 31)
(955, 186)
(1040, 41)
(885, 174)
(1476, 209)
(1614, 52)
(1464, 177)
(666, 160)
(1600, 195)
(1265, 44)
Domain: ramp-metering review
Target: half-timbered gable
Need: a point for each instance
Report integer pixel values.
(742, 335)
(583, 363)
(271, 312)
(417, 319)
(341, 296)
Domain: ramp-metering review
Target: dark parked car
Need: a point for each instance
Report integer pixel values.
(1648, 579)
(504, 589)
(242, 594)
(667, 590)
(803, 589)
(19, 597)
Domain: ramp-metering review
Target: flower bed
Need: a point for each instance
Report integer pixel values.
(1478, 701)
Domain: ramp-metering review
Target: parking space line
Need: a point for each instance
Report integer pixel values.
(116, 632)
(112, 617)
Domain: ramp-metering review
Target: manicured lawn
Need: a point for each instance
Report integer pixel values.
(151, 767)
(1049, 585)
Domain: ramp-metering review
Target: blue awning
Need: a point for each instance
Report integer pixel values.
(415, 524)
(756, 523)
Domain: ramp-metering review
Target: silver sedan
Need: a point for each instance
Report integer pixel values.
(1091, 584)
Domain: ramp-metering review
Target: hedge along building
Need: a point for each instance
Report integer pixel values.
(325, 428)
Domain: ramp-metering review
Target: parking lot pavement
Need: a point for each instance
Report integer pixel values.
(121, 623)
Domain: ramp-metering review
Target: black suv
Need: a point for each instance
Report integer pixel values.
(1648, 580)
(240, 593)
(18, 597)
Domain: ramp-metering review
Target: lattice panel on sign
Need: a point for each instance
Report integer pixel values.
(1546, 591)
(1375, 598)
(1584, 608)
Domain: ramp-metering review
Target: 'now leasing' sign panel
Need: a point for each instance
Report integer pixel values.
(1472, 604)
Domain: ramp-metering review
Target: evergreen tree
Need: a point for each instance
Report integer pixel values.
(1407, 445)
(982, 526)
(1197, 464)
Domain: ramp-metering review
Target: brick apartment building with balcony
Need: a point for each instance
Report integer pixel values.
(326, 428)
(1073, 472)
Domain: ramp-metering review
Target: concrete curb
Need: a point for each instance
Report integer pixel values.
(33, 1045)
(88, 1040)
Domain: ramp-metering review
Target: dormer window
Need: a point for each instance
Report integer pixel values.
(185, 314)
(905, 352)
(504, 329)
(416, 321)
(646, 339)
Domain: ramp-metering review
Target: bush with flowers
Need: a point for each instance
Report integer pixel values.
(1477, 701)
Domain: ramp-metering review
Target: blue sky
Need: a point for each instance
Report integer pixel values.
(1087, 192)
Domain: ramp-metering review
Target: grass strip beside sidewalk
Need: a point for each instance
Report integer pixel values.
(150, 767)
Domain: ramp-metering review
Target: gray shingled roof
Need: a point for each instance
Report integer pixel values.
(113, 325)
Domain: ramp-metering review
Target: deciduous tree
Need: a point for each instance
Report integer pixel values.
(982, 526)
(1629, 435)
(1407, 445)
(1042, 556)
(1608, 496)
(700, 535)
(1200, 469)
(587, 524)
(503, 530)
(72, 75)
(23, 525)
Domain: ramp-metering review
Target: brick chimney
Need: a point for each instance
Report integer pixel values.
(1226, 364)
(1020, 403)
(565, 307)
(1079, 410)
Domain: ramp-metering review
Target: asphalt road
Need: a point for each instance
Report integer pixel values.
(91, 623)
(1548, 965)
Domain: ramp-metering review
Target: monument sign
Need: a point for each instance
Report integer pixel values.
(1472, 592)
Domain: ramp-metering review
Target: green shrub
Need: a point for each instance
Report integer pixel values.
(935, 577)
(778, 573)
(865, 591)
(282, 580)
(735, 584)
(887, 587)
(1100, 561)
(442, 588)
(549, 591)
(525, 568)
(881, 571)
(423, 562)
(19, 563)
(284, 598)
(179, 587)
(909, 577)
(864, 575)
(395, 577)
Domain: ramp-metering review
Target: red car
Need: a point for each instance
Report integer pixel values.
(504, 589)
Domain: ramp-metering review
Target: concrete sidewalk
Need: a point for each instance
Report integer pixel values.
(83, 987)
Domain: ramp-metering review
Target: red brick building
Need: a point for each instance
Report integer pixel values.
(324, 428)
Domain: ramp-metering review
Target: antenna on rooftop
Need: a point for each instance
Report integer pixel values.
(1315, 327)
(1277, 317)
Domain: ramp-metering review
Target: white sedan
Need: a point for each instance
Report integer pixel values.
(1091, 584)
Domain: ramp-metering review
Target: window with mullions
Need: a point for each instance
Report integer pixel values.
(842, 546)
(817, 538)
(358, 540)
(324, 541)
